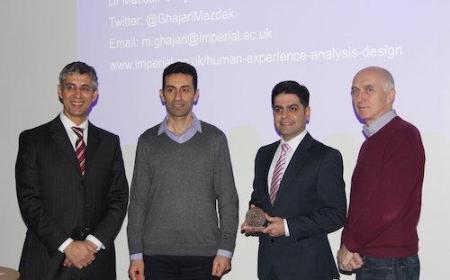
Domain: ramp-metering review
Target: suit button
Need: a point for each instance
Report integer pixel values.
(272, 240)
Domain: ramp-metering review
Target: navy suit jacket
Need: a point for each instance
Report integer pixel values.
(56, 200)
(312, 199)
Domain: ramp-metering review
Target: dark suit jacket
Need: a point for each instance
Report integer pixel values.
(312, 199)
(56, 200)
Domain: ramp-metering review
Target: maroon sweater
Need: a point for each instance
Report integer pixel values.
(386, 193)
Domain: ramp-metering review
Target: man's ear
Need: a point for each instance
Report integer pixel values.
(196, 96)
(391, 96)
(161, 96)
(95, 96)
(59, 91)
(307, 114)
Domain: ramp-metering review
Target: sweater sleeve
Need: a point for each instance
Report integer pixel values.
(138, 199)
(226, 195)
(392, 191)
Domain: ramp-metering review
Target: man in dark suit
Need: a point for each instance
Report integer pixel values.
(71, 188)
(298, 184)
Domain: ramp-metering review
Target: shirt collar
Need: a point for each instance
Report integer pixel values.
(68, 123)
(196, 124)
(379, 123)
(294, 142)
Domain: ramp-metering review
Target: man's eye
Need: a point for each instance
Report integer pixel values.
(370, 90)
(86, 89)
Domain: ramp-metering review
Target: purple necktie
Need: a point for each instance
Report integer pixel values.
(278, 172)
(80, 149)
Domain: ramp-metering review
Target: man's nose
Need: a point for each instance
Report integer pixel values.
(178, 94)
(78, 92)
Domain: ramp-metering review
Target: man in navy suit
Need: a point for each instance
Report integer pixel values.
(71, 188)
(298, 184)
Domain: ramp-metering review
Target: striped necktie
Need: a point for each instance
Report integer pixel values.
(80, 149)
(278, 172)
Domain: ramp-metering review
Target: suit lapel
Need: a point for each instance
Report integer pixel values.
(92, 145)
(61, 138)
(298, 159)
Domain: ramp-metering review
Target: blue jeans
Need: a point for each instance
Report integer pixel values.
(389, 269)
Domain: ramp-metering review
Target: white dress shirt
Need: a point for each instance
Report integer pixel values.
(293, 144)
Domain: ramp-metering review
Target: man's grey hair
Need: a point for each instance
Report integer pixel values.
(81, 68)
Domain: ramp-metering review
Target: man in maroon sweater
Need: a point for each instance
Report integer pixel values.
(379, 240)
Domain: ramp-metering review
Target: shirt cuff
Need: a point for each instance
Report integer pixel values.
(224, 253)
(137, 257)
(97, 242)
(286, 228)
(64, 245)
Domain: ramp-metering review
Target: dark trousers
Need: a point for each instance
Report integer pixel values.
(273, 276)
(178, 267)
(389, 269)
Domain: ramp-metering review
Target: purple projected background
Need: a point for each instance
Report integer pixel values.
(243, 48)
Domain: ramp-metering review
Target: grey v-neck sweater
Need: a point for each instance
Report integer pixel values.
(174, 193)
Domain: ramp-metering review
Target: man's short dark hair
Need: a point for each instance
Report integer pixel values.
(291, 87)
(81, 68)
(180, 67)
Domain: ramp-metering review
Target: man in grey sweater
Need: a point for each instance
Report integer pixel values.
(182, 176)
